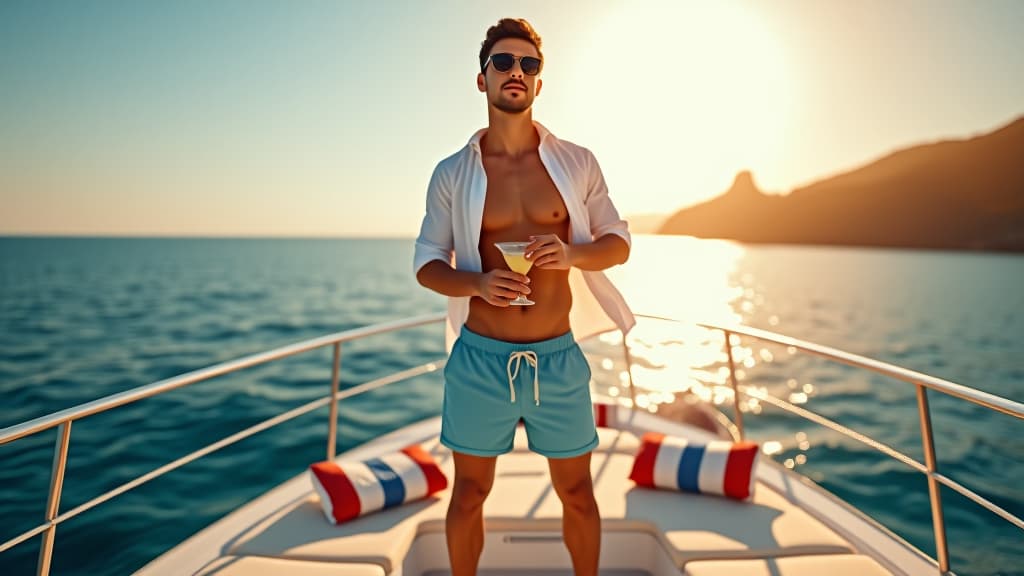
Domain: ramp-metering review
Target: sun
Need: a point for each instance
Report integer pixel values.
(702, 85)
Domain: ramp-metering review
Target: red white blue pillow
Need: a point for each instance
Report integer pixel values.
(719, 467)
(606, 415)
(349, 489)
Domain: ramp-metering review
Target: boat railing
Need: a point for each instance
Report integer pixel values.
(63, 419)
(922, 382)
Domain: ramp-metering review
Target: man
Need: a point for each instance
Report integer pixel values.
(515, 181)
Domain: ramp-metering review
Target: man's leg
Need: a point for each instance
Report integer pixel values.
(464, 526)
(581, 521)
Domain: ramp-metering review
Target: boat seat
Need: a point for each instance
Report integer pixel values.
(259, 566)
(833, 565)
(693, 527)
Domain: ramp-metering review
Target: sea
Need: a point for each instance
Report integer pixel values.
(85, 318)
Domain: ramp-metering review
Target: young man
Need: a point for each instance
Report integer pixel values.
(515, 181)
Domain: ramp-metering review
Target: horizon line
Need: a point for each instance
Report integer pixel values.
(115, 236)
(106, 236)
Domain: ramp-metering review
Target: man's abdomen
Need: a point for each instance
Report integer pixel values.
(548, 318)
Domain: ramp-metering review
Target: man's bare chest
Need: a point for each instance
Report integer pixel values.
(520, 194)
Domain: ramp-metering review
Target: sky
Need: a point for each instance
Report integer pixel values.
(326, 118)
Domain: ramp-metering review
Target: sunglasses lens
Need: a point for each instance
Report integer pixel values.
(530, 65)
(503, 62)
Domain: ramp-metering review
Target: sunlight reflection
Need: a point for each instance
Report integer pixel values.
(676, 364)
(681, 277)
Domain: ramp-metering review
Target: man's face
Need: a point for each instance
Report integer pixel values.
(511, 91)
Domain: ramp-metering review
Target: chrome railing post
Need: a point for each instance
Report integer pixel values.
(735, 387)
(928, 444)
(60, 460)
(629, 372)
(332, 426)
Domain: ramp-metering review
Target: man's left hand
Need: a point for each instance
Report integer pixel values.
(547, 251)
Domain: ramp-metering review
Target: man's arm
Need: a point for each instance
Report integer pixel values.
(496, 287)
(549, 252)
(607, 251)
(443, 279)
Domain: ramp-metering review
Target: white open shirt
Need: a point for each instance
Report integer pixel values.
(455, 207)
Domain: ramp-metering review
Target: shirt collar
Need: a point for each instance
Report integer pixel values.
(474, 141)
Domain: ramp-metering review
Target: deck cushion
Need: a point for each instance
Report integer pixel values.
(673, 463)
(349, 489)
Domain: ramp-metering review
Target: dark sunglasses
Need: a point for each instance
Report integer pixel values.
(503, 62)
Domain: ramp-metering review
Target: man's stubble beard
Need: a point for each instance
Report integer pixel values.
(513, 107)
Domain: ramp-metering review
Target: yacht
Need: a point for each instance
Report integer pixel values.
(787, 526)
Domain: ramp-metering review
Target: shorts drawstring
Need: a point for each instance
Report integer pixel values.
(531, 359)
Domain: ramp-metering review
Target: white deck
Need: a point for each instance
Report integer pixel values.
(782, 532)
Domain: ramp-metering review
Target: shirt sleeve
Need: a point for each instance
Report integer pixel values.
(436, 239)
(604, 218)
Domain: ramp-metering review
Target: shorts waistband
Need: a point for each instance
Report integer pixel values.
(549, 346)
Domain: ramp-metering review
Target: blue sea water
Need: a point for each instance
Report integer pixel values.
(82, 318)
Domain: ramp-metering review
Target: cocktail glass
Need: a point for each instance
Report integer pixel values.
(515, 257)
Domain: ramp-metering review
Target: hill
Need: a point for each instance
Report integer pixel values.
(957, 194)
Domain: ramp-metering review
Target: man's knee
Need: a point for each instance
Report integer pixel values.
(468, 494)
(578, 496)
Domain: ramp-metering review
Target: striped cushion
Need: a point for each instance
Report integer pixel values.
(606, 415)
(719, 467)
(349, 489)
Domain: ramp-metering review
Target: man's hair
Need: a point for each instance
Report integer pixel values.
(508, 28)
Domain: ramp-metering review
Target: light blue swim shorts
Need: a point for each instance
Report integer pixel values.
(491, 385)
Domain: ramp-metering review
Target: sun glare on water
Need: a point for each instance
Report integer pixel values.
(680, 277)
(688, 281)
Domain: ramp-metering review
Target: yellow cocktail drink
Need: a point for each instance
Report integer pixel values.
(518, 262)
(515, 257)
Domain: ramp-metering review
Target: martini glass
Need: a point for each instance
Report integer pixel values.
(515, 257)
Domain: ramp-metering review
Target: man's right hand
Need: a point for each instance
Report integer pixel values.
(498, 287)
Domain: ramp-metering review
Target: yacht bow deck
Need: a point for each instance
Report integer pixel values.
(792, 527)
(644, 531)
